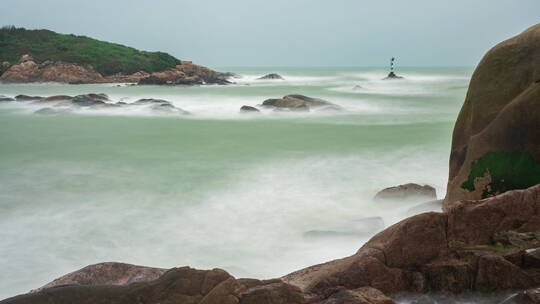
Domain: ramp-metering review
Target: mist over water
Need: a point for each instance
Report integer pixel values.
(216, 188)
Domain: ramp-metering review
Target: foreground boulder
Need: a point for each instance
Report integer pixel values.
(407, 192)
(495, 146)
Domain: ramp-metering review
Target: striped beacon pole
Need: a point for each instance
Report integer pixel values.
(392, 64)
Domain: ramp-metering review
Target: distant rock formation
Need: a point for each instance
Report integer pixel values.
(273, 76)
(186, 73)
(495, 145)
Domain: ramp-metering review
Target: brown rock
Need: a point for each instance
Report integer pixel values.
(29, 71)
(496, 273)
(296, 102)
(495, 144)
(407, 192)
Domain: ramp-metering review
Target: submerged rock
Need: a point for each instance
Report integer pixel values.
(46, 111)
(167, 108)
(495, 144)
(147, 101)
(271, 76)
(407, 192)
(249, 109)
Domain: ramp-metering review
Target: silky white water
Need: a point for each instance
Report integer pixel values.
(216, 188)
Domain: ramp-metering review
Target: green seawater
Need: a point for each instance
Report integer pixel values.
(216, 188)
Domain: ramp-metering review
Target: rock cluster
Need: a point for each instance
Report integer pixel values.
(297, 102)
(186, 73)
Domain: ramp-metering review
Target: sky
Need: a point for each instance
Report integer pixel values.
(229, 33)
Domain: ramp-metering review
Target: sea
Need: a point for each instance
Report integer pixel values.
(259, 195)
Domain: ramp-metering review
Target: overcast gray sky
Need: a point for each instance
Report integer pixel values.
(289, 32)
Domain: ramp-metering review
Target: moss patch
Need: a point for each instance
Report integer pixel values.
(508, 171)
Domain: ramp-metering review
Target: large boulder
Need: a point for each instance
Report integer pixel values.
(495, 144)
(185, 73)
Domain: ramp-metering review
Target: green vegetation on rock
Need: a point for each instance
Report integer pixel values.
(105, 57)
(508, 171)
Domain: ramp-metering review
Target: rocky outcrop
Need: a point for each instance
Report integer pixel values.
(27, 70)
(495, 146)
(458, 251)
(272, 76)
(407, 192)
(296, 102)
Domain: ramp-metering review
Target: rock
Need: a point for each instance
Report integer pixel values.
(357, 87)
(363, 295)
(178, 285)
(271, 76)
(248, 109)
(296, 102)
(88, 100)
(110, 273)
(25, 58)
(495, 146)
(152, 80)
(27, 98)
(407, 192)
(57, 98)
(392, 75)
